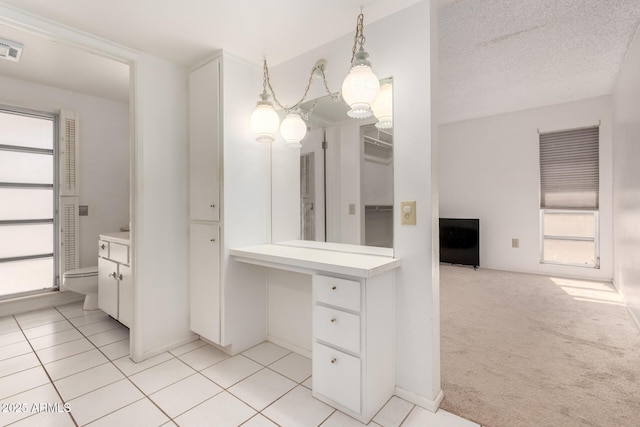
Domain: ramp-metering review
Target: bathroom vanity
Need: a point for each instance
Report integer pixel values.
(353, 319)
(115, 282)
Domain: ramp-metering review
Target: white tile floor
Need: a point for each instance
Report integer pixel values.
(66, 356)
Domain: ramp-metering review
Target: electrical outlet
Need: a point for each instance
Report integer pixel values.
(408, 212)
(515, 243)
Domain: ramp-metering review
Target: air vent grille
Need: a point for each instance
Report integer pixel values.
(10, 50)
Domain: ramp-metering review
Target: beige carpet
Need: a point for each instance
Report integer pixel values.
(528, 350)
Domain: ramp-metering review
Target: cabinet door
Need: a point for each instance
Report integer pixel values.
(108, 287)
(125, 293)
(205, 281)
(204, 109)
(336, 375)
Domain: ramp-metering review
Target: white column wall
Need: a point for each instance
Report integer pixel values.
(626, 180)
(160, 214)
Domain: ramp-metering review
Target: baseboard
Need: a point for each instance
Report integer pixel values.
(633, 316)
(299, 350)
(175, 344)
(624, 300)
(421, 401)
(38, 302)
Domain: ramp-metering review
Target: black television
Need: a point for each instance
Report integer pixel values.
(460, 241)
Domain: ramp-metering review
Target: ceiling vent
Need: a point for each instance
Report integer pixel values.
(10, 50)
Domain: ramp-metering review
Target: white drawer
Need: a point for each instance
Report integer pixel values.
(336, 375)
(119, 253)
(338, 292)
(103, 249)
(337, 328)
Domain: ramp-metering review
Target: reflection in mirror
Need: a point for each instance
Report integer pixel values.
(346, 178)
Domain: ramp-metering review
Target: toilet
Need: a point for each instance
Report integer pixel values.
(83, 281)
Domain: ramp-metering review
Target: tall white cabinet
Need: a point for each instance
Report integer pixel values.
(204, 200)
(229, 203)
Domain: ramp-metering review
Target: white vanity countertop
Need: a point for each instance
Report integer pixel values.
(122, 237)
(315, 260)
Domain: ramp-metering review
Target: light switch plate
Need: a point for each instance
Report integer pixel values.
(408, 212)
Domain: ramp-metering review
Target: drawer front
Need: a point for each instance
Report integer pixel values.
(103, 249)
(119, 253)
(336, 375)
(337, 328)
(337, 292)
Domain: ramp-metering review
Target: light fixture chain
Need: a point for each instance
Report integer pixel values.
(267, 83)
(358, 38)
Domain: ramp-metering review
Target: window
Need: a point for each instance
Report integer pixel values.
(27, 203)
(569, 197)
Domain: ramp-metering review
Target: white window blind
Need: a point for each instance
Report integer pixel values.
(569, 169)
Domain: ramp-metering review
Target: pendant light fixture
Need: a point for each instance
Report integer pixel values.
(359, 90)
(361, 86)
(264, 119)
(383, 105)
(293, 129)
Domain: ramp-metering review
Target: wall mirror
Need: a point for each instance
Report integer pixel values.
(346, 177)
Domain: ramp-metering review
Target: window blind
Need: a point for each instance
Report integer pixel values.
(569, 169)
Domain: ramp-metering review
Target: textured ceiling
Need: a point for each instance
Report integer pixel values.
(498, 56)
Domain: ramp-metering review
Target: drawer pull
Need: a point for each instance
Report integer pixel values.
(333, 320)
(334, 288)
(102, 246)
(212, 205)
(334, 360)
(213, 240)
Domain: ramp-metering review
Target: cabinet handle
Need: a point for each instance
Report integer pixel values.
(120, 276)
(213, 240)
(212, 205)
(102, 246)
(114, 275)
(333, 320)
(334, 360)
(334, 288)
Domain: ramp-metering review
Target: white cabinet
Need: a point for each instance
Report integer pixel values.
(204, 136)
(205, 280)
(204, 201)
(353, 343)
(108, 287)
(228, 202)
(115, 282)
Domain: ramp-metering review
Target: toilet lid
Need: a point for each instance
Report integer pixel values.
(82, 272)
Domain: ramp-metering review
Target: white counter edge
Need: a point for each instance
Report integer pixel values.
(258, 255)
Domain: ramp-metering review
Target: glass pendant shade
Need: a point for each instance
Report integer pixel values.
(265, 122)
(293, 129)
(383, 106)
(359, 89)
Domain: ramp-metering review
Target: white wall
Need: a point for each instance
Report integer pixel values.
(401, 46)
(104, 154)
(246, 206)
(160, 199)
(626, 179)
(489, 169)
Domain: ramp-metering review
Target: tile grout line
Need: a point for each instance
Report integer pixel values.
(119, 370)
(46, 373)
